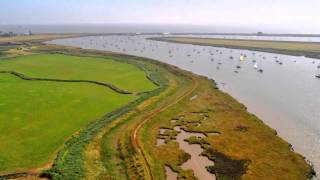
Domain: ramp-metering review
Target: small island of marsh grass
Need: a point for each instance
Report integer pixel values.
(308, 49)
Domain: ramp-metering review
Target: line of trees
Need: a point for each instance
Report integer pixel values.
(7, 34)
(11, 34)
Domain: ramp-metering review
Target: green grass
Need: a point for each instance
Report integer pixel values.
(36, 117)
(122, 75)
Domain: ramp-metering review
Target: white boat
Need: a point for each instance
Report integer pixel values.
(242, 57)
(255, 65)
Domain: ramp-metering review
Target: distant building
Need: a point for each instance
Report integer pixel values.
(7, 34)
(259, 33)
(28, 33)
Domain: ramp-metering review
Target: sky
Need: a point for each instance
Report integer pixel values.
(300, 16)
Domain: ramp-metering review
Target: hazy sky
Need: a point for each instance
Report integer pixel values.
(298, 15)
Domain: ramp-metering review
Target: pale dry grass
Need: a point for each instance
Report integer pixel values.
(289, 46)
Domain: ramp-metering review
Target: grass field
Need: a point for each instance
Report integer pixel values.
(58, 66)
(36, 117)
(308, 49)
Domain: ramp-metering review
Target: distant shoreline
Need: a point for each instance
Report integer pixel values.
(127, 28)
(278, 47)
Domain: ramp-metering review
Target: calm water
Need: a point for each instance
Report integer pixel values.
(286, 97)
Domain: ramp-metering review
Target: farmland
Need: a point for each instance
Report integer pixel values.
(59, 66)
(38, 116)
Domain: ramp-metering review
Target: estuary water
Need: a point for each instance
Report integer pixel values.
(285, 95)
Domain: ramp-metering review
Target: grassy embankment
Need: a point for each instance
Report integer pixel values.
(37, 116)
(308, 49)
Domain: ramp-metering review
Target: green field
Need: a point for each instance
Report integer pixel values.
(36, 117)
(122, 75)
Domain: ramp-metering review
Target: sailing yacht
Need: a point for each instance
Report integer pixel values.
(242, 57)
(318, 75)
(256, 67)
